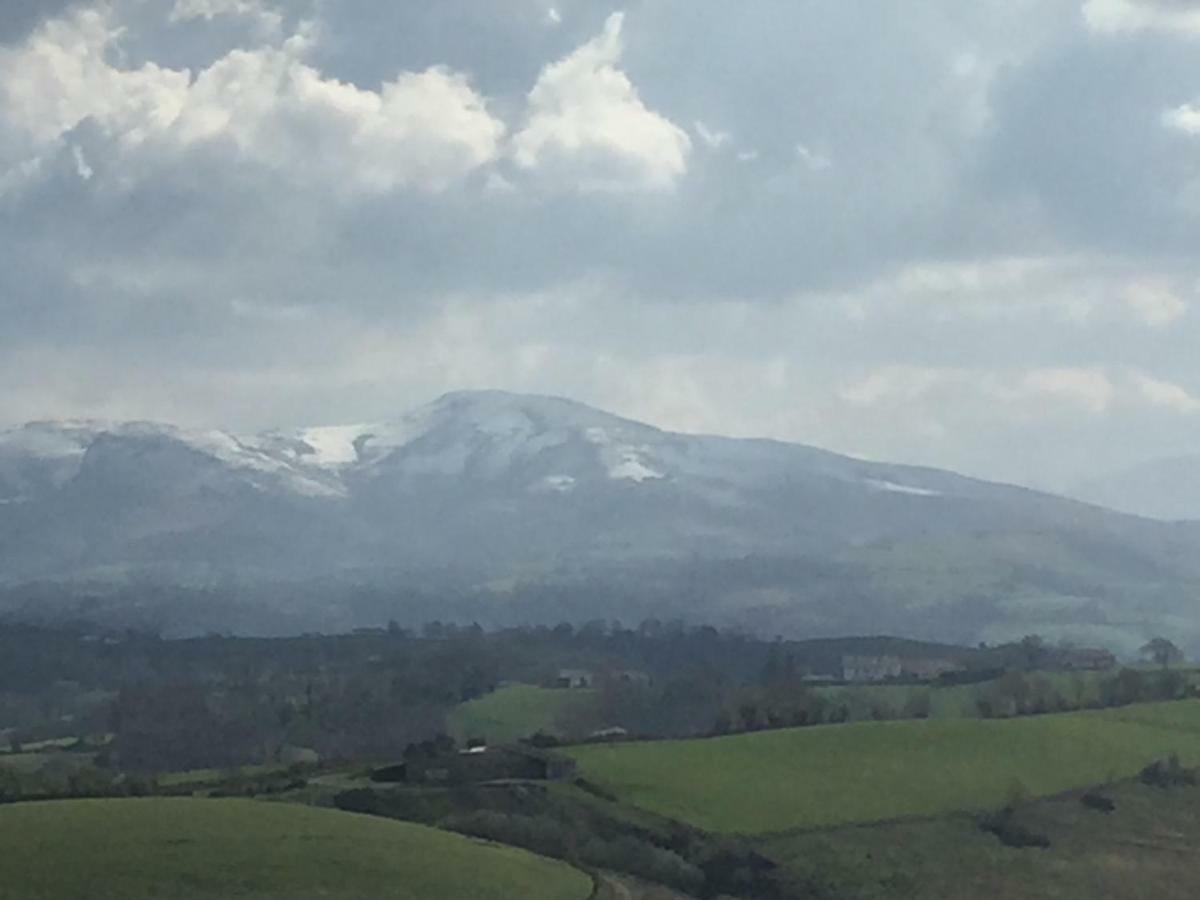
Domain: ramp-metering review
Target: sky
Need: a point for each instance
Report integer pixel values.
(956, 234)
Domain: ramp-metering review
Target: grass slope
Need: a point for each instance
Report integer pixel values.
(513, 712)
(867, 772)
(1144, 849)
(191, 849)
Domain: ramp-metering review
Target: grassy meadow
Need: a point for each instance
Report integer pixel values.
(514, 711)
(774, 781)
(1142, 849)
(192, 849)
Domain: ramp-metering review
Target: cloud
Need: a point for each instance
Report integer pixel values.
(1165, 394)
(265, 107)
(813, 159)
(81, 164)
(587, 123)
(1089, 389)
(1086, 389)
(893, 384)
(1184, 118)
(1154, 302)
(1037, 393)
(61, 76)
(1126, 16)
(422, 129)
(266, 17)
(713, 138)
(332, 220)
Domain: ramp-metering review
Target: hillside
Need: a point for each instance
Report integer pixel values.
(194, 849)
(501, 507)
(847, 774)
(1135, 851)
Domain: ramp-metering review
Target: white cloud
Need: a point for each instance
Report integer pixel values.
(61, 75)
(893, 384)
(1023, 395)
(84, 170)
(1184, 118)
(587, 121)
(912, 386)
(714, 138)
(267, 106)
(423, 129)
(1123, 16)
(1089, 389)
(268, 19)
(813, 159)
(1154, 303)
(1165, 394)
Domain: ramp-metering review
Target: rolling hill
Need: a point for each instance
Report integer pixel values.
(195, 849)
(774, 781)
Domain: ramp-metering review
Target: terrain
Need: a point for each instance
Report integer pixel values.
(1142, 848)
(504, 508)
(224, 766)
(199, 849)
(867, 772)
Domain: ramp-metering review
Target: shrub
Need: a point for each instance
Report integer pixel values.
(1012, 833)
(1167, 773)
(1098, 802)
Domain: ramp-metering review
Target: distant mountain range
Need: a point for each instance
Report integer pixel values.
(506, 507)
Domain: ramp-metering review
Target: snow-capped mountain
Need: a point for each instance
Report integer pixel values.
(500, 493)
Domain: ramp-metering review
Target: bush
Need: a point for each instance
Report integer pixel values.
(1098, 802)
(1012, 833)
(1167, 773)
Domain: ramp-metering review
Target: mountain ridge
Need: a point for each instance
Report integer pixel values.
(536, 493)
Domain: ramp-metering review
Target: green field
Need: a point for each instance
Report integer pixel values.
(867, 772)
(1143, 849)
(513, 712)
(191, 849)
(56, 762)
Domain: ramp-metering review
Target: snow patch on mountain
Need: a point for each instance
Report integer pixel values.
(332, 446)
(623, 461)
(896, 488)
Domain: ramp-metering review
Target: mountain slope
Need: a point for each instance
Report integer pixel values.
(521, 507)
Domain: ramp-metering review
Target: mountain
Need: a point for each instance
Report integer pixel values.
(1160, 489)
(504, 508)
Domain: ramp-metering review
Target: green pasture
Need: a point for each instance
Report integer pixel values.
(774, 781)
(193, 849)
(1140, 850)
(514, 711)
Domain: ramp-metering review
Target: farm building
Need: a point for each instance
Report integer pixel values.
(574, 678)
(929, 669)
(1087, 659)
(612, 733)
(871, 668)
